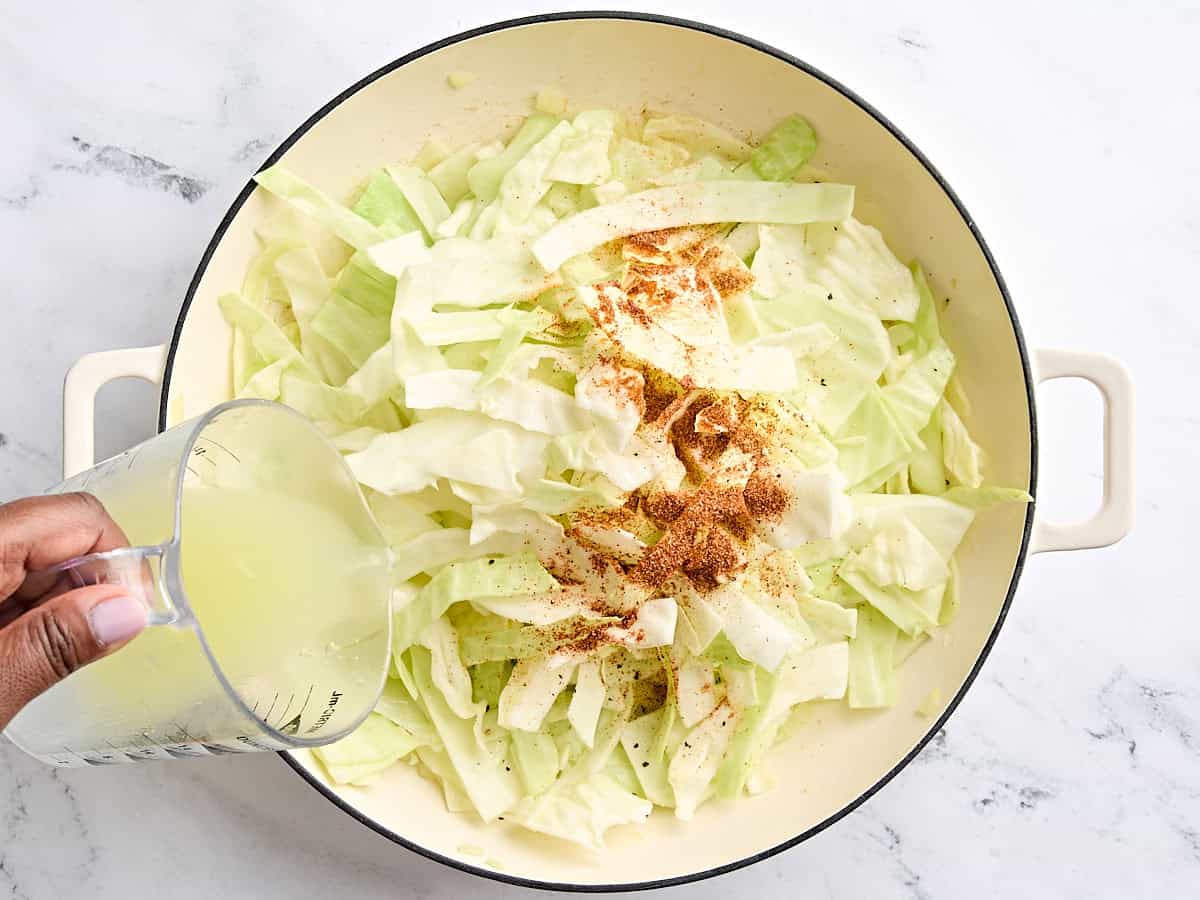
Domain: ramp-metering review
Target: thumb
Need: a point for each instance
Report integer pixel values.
(50, 641)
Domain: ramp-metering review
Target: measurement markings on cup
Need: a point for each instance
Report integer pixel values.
(324, 717)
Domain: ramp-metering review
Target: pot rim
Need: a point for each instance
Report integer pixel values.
(850, 95)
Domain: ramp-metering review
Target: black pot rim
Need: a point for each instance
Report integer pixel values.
(244, 194)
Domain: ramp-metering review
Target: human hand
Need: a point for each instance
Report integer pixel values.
(48, 627)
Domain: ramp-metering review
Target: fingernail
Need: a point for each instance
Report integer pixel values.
(116, 620)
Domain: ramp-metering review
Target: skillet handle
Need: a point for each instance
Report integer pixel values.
(1114, 519)
(84, 380)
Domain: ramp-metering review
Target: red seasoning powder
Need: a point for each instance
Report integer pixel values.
(698, 542)
(765, 496)
(706, 523)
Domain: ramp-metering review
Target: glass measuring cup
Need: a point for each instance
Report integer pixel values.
(267, 587)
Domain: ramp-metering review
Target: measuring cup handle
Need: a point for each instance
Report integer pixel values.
(84, 380)
(139, 569)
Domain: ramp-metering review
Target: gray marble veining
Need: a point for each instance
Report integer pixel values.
(1071, 769)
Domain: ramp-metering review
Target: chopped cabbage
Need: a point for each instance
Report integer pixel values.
(666, 442)
(784, 150)
(693, 203)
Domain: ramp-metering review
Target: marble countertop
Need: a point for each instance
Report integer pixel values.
(1069, 130)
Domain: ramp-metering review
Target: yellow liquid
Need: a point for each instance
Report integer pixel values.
(293, 603)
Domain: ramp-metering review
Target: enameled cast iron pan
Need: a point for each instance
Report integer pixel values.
(840, 757)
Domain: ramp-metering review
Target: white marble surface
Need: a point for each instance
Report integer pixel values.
(1068, 128)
